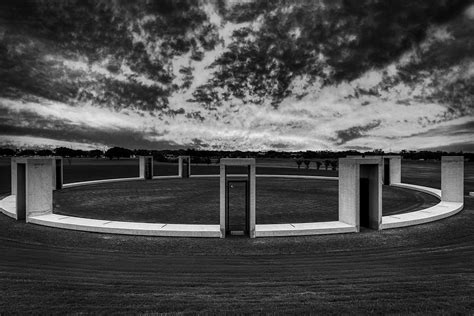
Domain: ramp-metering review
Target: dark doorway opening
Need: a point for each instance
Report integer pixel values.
(148, 167)
(237, 207)
(186, 169)
(369, 198)
(59, 174)
(21, 191)
(364, 202)
(386, 171)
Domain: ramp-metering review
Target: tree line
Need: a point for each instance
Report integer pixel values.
(325, 157)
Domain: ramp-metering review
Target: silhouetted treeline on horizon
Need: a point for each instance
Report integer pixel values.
(206, 155)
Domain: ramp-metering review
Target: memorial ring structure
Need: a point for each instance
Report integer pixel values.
(359, 184)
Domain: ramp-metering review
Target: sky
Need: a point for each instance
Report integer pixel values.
(58, 95)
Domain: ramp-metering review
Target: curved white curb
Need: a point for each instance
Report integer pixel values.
(8, 206)
(92, 182)
(77, 184)
(437, 212)
(431, 214)
(431, 191)
(302, 229)
(126, 228)
(284, 176)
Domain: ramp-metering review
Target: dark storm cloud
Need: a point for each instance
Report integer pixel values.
(463, 128)
(303, 74)
(30, 124)
(344, 136)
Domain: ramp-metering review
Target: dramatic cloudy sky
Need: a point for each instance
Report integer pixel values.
(228, 74)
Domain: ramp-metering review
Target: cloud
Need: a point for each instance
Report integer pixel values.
(455, 134)
(355, 132)
(388, 107)
(21, 141)
(331, 117)
(469, 13)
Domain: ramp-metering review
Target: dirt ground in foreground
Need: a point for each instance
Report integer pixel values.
(425, 269)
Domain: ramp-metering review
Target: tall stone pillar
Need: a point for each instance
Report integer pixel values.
(360, 192)
(452, 179)
(34, 191)
(146, 167)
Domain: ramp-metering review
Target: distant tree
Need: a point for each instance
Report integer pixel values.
(27, 152)
(118, 152)
(334, 164)
(158, 156)
(65, 152)
(44, 152)
(7, 152)
(318, 164)
(299, 162)
(80, 153)
(307, 162)
(96, 153)
(271, 154)
(142, 152)
(327, 163)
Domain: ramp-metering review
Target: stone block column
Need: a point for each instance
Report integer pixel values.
(34, 191)
(349, 191)
(452, 179)
(13, 175)
(251, 178)
(354, 173)
(146, 167)
(184, 172)
(395, 169)
(222, 199)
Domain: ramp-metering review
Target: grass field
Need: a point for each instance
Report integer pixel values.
(426, 269)
(196, 201)
(85, 169)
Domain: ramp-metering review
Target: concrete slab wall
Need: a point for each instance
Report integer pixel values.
(350, 171)
(37, 183)
(181, 160)
(53, 171)
(395, 169)
(13, 175)
(222, 201)
(452, 179)
(395, 166)
(349, 192)
(145, 167)
(39, 197)
(54, 162)
(253, 199)
(250, 162)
